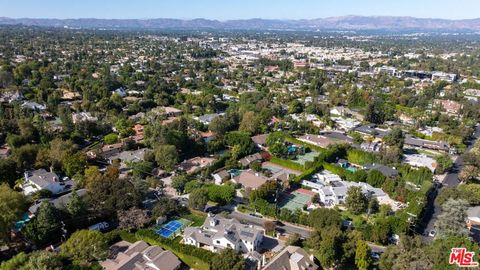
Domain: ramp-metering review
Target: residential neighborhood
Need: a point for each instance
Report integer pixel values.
(232, 146)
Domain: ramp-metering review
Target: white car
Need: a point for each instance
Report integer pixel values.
(432, 233)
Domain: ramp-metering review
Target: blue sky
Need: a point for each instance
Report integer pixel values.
(237, 9)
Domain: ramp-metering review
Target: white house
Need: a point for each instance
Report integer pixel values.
(218, 233)
(42, 180)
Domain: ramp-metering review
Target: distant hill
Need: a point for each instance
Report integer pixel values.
(336, 23)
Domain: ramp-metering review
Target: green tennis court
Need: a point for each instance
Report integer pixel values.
(306, 157)
(295, 200)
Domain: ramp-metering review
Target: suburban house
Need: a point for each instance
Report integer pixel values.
(260, 140)
(208, 118)
(59, 203)
(196, 163)
(449, 106)
(332, 190)
(420, 160)
(246, 161)
(83, 117)
(426, 144)
(168, 111)
(139, 255)
(106, 151)
(374, 146)
(292, 258)
(221, 176)
(318, 140)
(336, 193)
(250, 179)
(129, 156)
(386, 171)
(43, 180)
(218, 233)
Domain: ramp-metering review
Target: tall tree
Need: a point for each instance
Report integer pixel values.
(166, 156)
(452, 219)
(363, 257)
(45, 227)
(356, 201)
(198, 198)
(12, 206)
(85, 247)
(228, 259)
(43, 260)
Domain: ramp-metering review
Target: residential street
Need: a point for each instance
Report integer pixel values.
(451, 180)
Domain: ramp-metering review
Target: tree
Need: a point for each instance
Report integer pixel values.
(133, 218)
(452, 219)
(111, 138)
(84, 247)
(330, 250)
(222, 195)
(198, 199)
(166, 156)
(363, 257)
(356, 201)
(375, 178)
(12, 206)
(16, 262)
(295, 106)
(179, 182)
(9, 174)
(167, 207)
(249, 123)
(374, 113)
(321, 218)
(395, 138)
(76, 206)
(293, 240)
(269, 226)
(45, 227)
(468, 173)
(228, 259)
(109, 193)
(373, 205)
(219, 126)
(74, 164)
(276, 144)
(444, 163)
(43, 260)
(242, 139)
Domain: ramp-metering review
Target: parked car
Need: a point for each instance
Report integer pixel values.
(101, 227)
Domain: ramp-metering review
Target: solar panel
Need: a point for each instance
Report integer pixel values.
(247, 234)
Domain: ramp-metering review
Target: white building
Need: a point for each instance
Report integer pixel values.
(218, 233)
(420, 160)
(42, 180)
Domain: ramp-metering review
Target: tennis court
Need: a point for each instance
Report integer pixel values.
(172, 228)
(301, 159)
(295, 200)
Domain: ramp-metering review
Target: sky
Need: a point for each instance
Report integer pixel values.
(237, 9)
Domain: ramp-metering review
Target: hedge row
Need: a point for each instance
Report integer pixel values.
(288, 164)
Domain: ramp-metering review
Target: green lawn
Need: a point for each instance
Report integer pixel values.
(196, 219)
(289, 164)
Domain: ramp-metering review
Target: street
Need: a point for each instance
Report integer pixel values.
(451, 180)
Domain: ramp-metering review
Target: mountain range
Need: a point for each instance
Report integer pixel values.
(331, 23)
